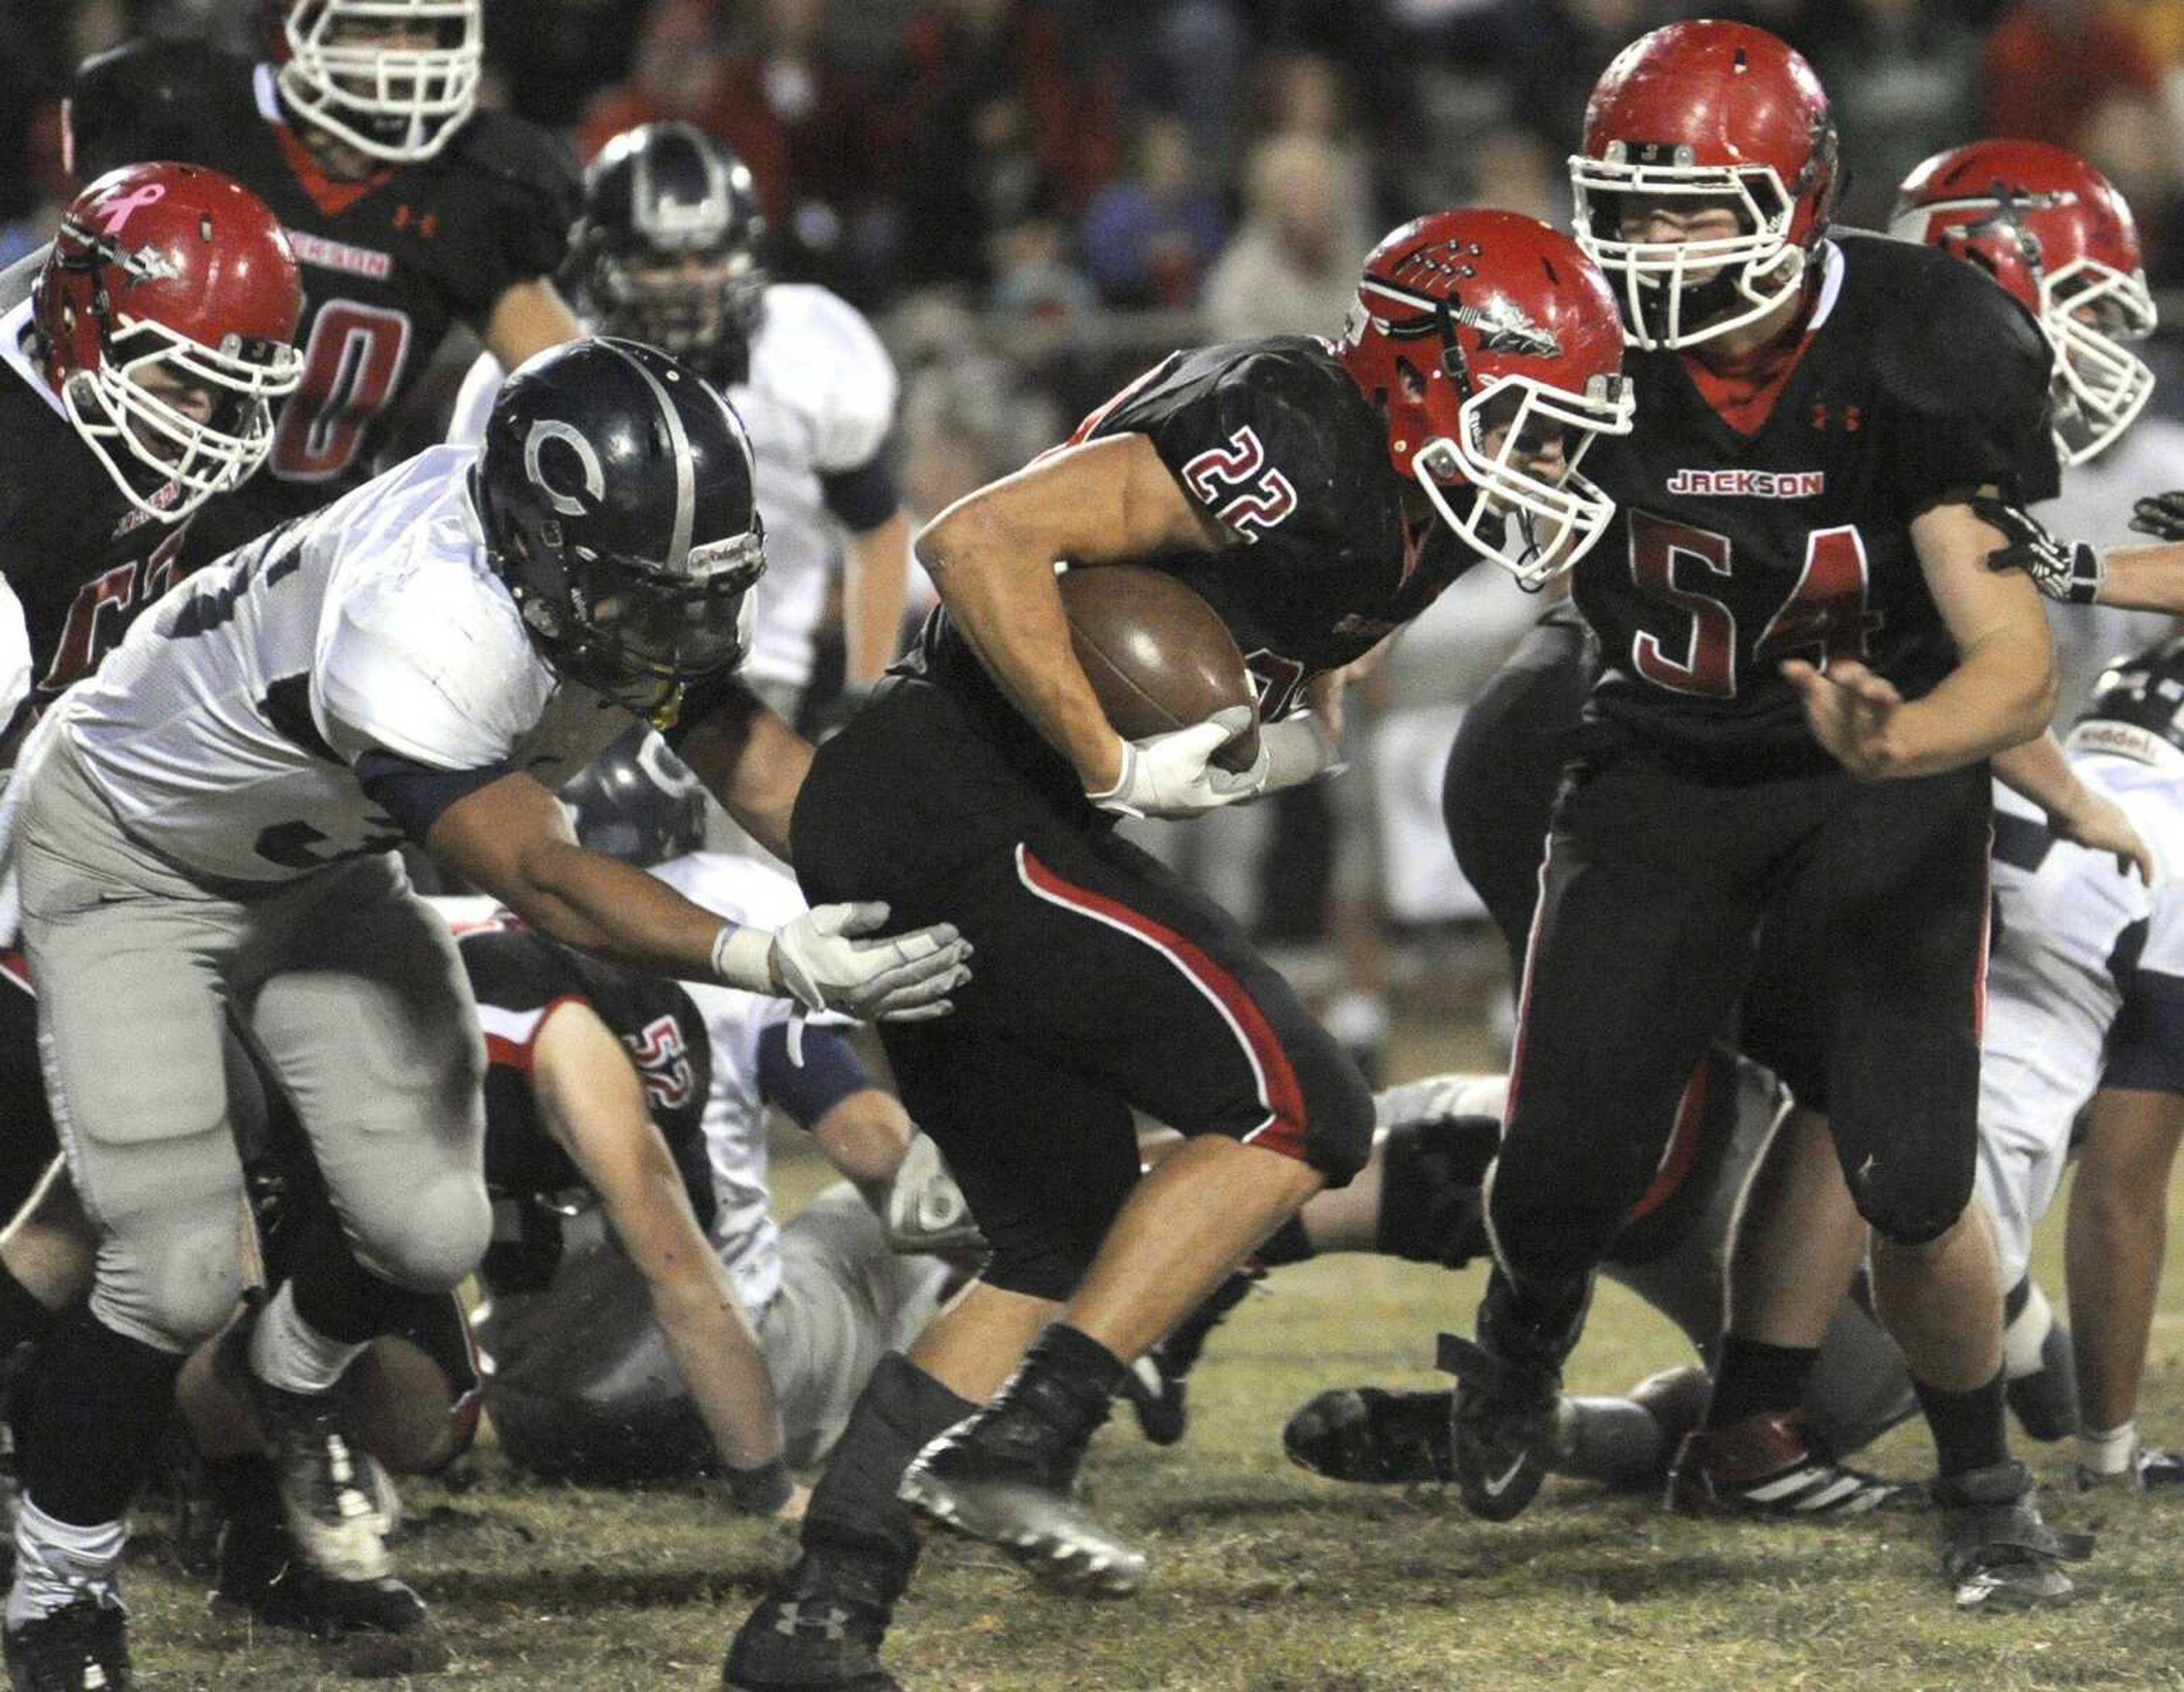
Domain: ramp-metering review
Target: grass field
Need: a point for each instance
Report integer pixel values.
(1264, 1578)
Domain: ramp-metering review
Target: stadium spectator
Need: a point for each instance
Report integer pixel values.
(2050, 62)
(1289, 269)
(1148, 237)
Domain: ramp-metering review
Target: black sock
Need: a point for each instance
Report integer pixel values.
(1967, 1428)
(242, 1486)
(2014, 1300)
(1087, 1371)
(98, 1403)
(341, 1298)
(22, 1316)
(1751, 1378)
(853, 1513)
(1288, 1244)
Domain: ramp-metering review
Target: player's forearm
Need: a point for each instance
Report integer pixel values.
(1004, 603)
(2000, 695)
(754, 764)
(2144, 579)
(721, 1364)
(2037, 771)
(585, 900)
(873, 595)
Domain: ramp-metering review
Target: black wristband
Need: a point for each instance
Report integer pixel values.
(763, 1490)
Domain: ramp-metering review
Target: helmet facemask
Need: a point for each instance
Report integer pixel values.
(2090, 310)
(629, 628)
(700, 307)
(111, 403)
(1680, 293)
(399, 104)
(1503, 431)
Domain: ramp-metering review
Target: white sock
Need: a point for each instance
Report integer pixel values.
(288, 1352)
(2022, 1340)
(2109, 1453)
(57, 1562)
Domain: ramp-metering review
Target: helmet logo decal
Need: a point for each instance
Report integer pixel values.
(1504, 327)
(595, 476)
(149, 264)
(114, 216)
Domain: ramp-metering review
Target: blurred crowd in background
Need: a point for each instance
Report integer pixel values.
(1034, 199)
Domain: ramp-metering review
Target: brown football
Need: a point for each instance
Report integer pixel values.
(1159, 657)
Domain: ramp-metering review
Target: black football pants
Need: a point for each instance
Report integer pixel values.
(1655, 888)
(1104, 984)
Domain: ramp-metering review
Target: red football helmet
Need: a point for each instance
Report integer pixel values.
(1492, 345)
(175, 273)
(1713, 113)
(399, 103)
(2049, 228)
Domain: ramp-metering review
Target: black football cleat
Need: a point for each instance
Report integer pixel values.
(1999, 1555)
(1157, 1381)
(83, 1646)
(1768, 1465)
(2046, 1401)
(1372, 1436)
(328, 1493)
(260, 1568)
(1004, 1476)
(821, 1632)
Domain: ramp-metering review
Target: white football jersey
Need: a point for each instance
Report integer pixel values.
(747, 891)
(820, 400)
(2084, 961)
(225, 728)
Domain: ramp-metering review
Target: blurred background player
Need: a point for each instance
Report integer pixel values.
(411, 210)
(672, 252)
(140, 359)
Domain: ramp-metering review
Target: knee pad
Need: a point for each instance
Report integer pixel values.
(434, 1237)
(1339, 1125)
(1041, 1263)
(173, 1288)
(1431, 1208)
(1910, 1205)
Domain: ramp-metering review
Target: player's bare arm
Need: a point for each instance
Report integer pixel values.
(992, 555)
(751, 761)
(874, 590)
(2000, 694)
(512, 839)
(592, 1102)
(2040, 773)
(528, 318)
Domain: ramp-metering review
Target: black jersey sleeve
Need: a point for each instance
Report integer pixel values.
(521, 196)
(1969, 369)
(1265, 436)
(517, 970)
(144, 100)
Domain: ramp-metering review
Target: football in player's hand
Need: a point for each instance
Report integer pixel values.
(1159, 657)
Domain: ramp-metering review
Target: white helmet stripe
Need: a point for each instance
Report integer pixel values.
(686, 480)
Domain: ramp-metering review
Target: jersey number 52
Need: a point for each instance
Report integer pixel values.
(1824, 617)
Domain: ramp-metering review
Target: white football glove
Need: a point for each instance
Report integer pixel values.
(820, 961)
(1171, 775)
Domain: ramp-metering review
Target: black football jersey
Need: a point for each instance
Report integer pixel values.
(1730, 553)
(516, 974)
(82, 558)
(1273, 439)
(388, 263)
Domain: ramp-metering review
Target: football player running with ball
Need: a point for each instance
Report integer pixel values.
(1806, 665)
(208, 824)
(1318, 495)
